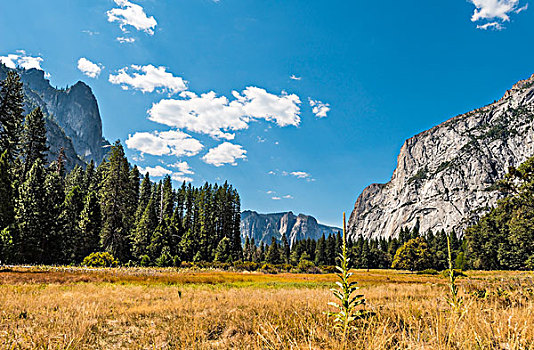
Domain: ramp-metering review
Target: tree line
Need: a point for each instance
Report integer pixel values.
(411, 250)
(50, 217)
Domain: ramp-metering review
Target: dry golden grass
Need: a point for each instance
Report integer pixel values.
(69, 308)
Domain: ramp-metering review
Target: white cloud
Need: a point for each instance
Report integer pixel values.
(490, 25)
(181, 178)
(259, 104)
(92, 70)
(130, 14)
(28, 62)
(294, 77)
(271, 172)
(10, 61)
(157, 171)
(207, 114)
(21, 59)
(148, 78)
(225, 153)
(122, 39)
(277, 198)
(319, 108)
(300, 174)
(173, 142)
(495, 12)
(218, 117)
(270, 192)
(183, 167)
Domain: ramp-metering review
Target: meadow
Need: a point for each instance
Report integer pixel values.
(149, 308)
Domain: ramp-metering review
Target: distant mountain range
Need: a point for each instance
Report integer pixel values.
(262, 227)
(444, 174)
(72, 117)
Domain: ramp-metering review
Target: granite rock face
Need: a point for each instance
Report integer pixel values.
(444, 174)
(262, 227)
(72, 117)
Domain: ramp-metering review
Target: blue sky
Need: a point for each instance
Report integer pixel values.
(214, 90)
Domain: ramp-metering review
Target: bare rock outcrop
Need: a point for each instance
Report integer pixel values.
(443, 175)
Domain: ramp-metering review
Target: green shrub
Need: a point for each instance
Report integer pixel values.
(269, 268)
(100, 259)
(428, 272)
(164, 259)
(307, 266)
(145, 260)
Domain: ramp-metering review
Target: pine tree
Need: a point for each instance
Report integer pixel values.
(286, 249)
(247, 254)
(144, 230)
(34, 145)
(11, 114)
(89, 178)
(237, 248)
(166, 199)
(89, 226)
(72, 209)
(114, 202)
(320, 258)
(222, 252)
(7, 201)
(273, 253)
(55, 197)
(160, 240)
(145, 194)
(32, 216)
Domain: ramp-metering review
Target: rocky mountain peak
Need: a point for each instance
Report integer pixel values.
(73, 122)
(262, 227)
(443, 174)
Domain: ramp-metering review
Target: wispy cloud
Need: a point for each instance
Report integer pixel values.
(297, 174)
(90, 32)
(130, 14)
(128, 40)
(277, 198)
(300, 174)
(294, 77)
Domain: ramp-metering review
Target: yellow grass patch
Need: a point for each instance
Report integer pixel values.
(71, 308)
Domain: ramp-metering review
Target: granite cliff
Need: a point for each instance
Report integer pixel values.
(262, 227)
(444, 175)
(72, 117)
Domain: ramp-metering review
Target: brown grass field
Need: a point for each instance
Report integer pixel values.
(76, 308)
